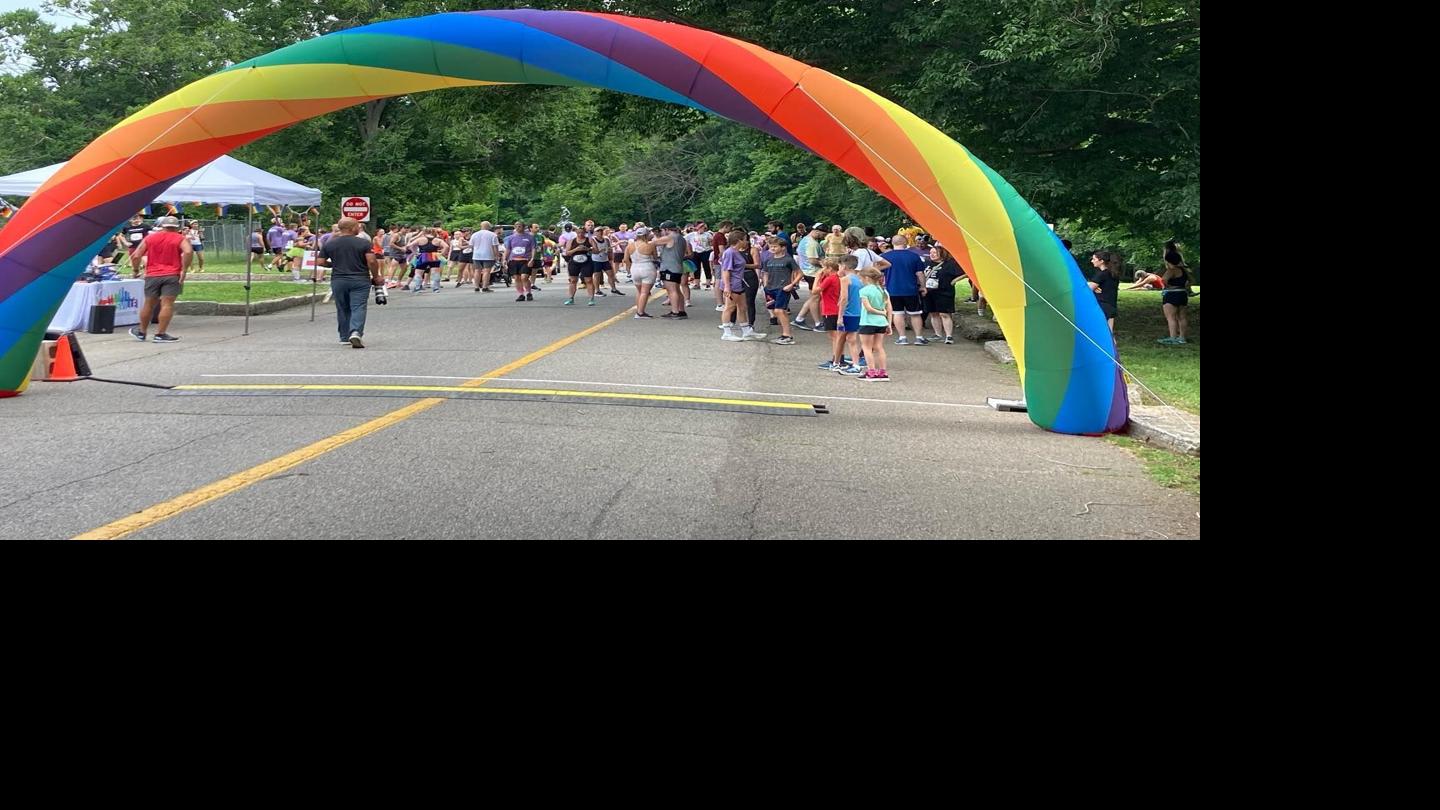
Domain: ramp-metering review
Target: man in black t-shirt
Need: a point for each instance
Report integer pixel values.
(135, 234)
(353, 271)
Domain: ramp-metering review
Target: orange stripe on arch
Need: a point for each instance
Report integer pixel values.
(765, 79)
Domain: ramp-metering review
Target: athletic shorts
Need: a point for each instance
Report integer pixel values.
(258, 251)
(277, 251)
(520, 268)
(485, 264)
(872, 330)
(1177, 298)
(908, 304)
(667, 276)
(581, 269)
(850, 323)
(617, 258)
(777, 299)
(197, 248)
(831, 322)
(455, 256)
(642, 275)
(162, 286)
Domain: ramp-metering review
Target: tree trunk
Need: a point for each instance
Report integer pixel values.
(370, 125)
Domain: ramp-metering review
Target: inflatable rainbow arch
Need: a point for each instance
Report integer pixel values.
(1051, 319)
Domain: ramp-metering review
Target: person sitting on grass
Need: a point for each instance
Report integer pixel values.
(1147, 281)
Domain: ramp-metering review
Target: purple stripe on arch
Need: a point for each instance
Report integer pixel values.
(50, 247)
(652, 59)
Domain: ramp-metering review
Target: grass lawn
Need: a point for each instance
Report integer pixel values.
(233, 292)
(1172, 372)
(233, 265)
(1167, 468)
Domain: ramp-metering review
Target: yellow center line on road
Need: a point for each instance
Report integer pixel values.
(126, 526)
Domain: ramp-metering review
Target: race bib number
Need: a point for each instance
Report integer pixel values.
(135, 237)
(518, 250)
(932, 283)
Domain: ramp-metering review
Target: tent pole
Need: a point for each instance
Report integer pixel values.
(249, 258)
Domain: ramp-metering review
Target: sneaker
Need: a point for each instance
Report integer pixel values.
(846, 361)
(784, 340)
(935, 338)
(719, 308)
(864, 362)
(1180, 341)
(355, 340)
(901, 341)
(820, 327)
(751, 334)
(600, 293)
(949, 341)
(569, 302)
(137, 334)
(614, 291)
(732, 337)
(799, 324)
(529, 296)
(682, 315)
(592, 303)
(670, 315)
(486, 289)
(878, 376)
(645, 315)
(1167, 341)
(164, 338)
(920, 341)
(774, 322)
(344, 341)
(850, 371)
(518, 297)
(828, 365)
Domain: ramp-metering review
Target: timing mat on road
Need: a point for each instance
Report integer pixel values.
(517, 394)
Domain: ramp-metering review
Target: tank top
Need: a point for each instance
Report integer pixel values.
(670, 255)
(641, 261)
(1180, 282)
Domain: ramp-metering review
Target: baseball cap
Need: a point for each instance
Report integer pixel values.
(167, 222)
(669, 223)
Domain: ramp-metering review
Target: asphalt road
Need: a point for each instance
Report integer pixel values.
(918, 457)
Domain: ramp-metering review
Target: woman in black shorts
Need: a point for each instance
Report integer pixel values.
(1175, 299)
(938, 301)
(578, 260)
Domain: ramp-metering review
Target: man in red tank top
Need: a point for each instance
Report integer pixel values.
(170, 255)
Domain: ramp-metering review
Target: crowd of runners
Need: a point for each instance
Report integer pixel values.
(859, 287)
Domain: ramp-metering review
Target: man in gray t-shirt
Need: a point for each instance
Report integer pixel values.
(354, 271)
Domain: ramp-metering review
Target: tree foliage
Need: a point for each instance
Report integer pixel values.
(1091, 108)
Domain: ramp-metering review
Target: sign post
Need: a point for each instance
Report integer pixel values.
(357, 208)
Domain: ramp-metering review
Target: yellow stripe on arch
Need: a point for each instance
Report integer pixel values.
(972, 201)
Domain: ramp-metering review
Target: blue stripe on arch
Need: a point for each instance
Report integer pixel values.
(529, 46)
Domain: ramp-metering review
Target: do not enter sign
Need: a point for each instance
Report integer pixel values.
(357, 208)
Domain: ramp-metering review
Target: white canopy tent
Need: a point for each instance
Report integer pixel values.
(224, 180)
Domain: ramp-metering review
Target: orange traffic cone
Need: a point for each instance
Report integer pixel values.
(63, 367)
